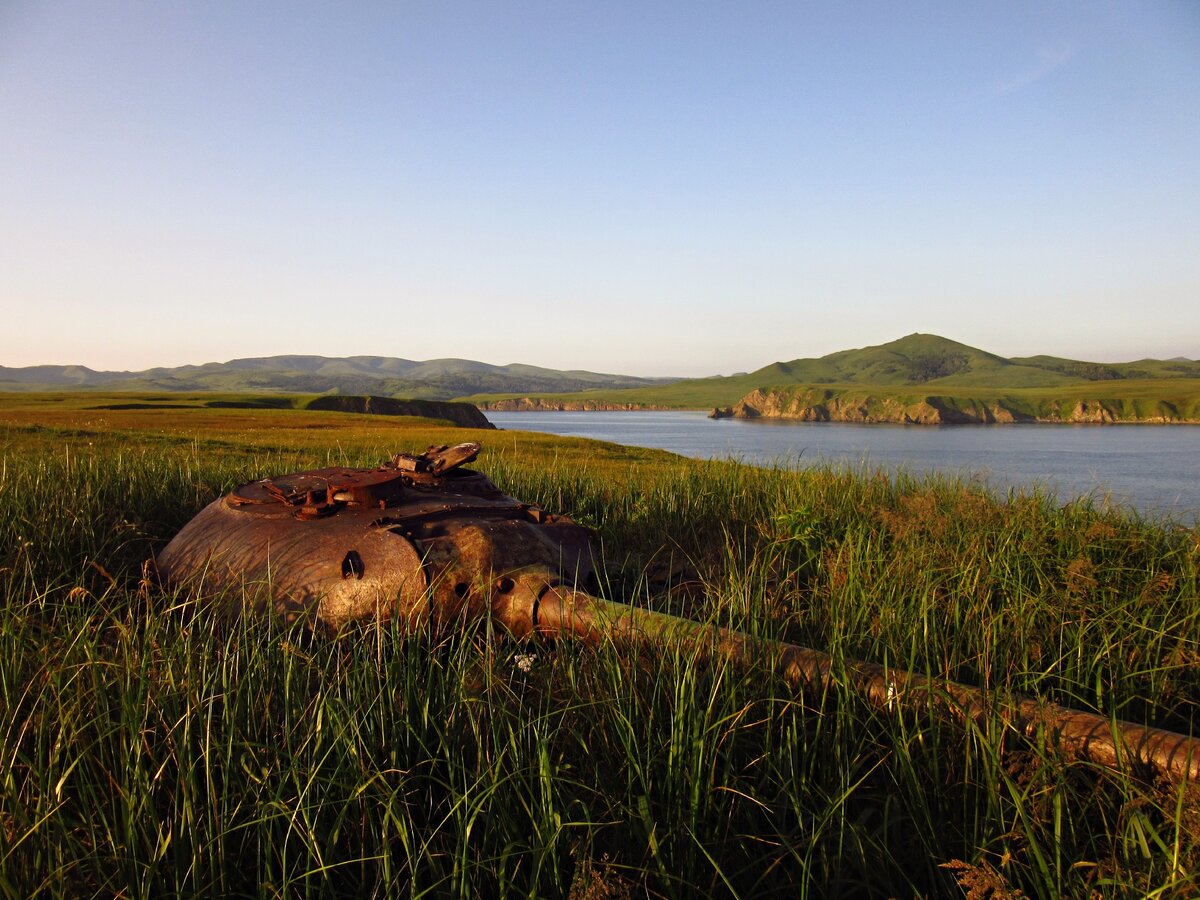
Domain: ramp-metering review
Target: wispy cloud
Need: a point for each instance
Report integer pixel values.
(1049, 59)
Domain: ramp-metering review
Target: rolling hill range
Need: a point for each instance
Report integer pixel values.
(438, 379)
(919, 378)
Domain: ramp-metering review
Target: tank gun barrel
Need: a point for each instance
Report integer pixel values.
(560, 612)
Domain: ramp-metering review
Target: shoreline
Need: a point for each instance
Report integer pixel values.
(550, 408)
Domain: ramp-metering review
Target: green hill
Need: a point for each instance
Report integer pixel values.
(931, 364)
(933, 361)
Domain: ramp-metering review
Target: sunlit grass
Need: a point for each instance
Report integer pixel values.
(150, 746)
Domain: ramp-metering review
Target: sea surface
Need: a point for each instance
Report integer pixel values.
(1155, 469)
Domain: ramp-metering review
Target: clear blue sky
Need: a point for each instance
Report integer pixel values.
(650, 188)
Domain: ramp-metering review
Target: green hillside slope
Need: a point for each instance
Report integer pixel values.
(910, 370)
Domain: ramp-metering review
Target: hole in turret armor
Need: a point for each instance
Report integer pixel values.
(352, 565)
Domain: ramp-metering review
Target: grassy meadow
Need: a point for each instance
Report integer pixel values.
(150, 746)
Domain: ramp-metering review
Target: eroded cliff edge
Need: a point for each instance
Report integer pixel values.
(832, 405)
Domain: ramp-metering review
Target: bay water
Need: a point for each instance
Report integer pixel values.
(1151, 468)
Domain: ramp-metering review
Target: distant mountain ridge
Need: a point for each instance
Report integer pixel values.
(926, 362)
(436, 379)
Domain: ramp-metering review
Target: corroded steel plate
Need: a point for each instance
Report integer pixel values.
(414, 536)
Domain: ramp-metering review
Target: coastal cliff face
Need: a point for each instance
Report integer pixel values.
(828, 406)
(821, 405)
(538, 404)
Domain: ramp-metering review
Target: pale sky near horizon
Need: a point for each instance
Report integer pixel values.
(638, 187)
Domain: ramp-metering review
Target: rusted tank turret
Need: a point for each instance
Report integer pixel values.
(417, 534)
(423, 539)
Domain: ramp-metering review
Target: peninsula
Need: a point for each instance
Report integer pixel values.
(921, 379)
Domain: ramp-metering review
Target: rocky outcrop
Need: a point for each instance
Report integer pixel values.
(1091, 412)
(830, 406)
(839, 405)
(542, 404)
(464, 415)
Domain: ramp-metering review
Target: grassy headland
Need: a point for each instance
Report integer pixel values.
(1157, 402)
(151, 747)
(920, 379)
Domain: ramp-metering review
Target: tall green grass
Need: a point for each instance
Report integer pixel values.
(151, 746)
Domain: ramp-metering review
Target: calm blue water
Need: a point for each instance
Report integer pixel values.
(1155, 469)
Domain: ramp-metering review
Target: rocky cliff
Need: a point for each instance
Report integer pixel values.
(831, 405)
